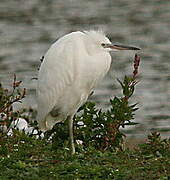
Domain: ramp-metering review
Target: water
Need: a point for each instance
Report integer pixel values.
(27, 29)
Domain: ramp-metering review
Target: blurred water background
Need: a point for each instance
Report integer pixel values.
(28, 28)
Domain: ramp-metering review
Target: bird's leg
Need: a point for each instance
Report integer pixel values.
(70, 123)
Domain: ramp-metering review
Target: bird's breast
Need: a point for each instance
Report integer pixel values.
(94, 68)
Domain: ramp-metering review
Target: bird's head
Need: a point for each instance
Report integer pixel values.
(97, 41)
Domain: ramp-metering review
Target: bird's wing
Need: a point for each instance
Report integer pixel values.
(55, 75)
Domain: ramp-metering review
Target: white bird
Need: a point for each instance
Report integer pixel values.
(71, 68)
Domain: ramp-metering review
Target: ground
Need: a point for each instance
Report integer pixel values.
(23, 157)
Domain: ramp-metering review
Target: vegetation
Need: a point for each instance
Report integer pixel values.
(101, 153)
(24, 157)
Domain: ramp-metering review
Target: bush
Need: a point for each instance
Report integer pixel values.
(156, 146)
(8, 97)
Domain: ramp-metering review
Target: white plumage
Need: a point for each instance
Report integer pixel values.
(71, 68)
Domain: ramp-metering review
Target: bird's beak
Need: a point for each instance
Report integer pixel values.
(122, 47)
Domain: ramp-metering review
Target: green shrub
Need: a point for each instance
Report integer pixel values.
(156, 146)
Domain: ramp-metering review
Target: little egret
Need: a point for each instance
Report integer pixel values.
(70, 70)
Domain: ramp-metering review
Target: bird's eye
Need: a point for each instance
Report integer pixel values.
(103, 45)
